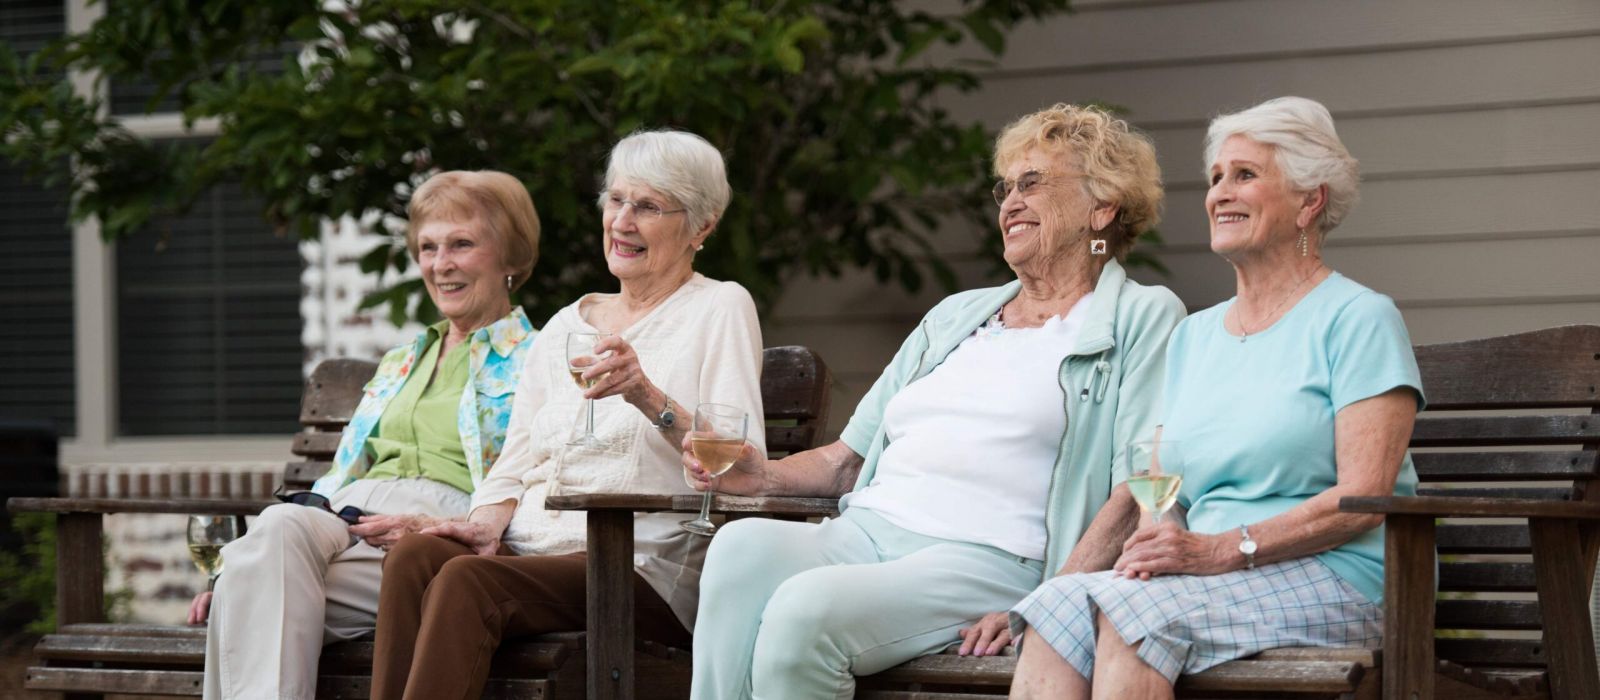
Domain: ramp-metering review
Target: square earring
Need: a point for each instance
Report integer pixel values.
(1097, 246)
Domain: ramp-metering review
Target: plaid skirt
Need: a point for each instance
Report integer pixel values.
(1191, 623)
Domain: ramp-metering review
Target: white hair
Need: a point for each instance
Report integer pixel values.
(1305, 145)
(677, 164)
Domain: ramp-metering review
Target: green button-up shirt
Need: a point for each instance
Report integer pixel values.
(417, 435)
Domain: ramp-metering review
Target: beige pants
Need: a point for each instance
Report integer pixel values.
(299, 580)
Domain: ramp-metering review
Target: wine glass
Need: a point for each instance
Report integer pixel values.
(1157, 468)
(580, 357)
(716, 438)
(207, 535)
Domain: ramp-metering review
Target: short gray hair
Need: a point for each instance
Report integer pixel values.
(1307, 149)
(677, 164)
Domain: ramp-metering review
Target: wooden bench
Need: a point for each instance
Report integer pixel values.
(87, 656)
(1489, 464)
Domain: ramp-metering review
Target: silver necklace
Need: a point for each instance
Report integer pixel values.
(1238, 316)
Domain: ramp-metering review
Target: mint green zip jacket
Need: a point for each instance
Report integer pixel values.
(1111, 383)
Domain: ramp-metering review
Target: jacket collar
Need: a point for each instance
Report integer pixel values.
(503, 336)
(507, 333)
(1098, 333)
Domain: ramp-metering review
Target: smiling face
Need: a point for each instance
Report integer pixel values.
(1054, 213)
(464, 272)
(1251, 205)
(642, 248)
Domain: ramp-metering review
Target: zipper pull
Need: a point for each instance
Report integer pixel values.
(1102, 372)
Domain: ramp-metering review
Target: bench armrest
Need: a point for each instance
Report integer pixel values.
(1449, 507)
(657, 503)
(207, 506)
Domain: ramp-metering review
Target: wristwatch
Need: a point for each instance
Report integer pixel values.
(1247, 547)
(666, 418)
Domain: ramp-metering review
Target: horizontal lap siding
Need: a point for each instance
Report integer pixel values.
(1477, 124)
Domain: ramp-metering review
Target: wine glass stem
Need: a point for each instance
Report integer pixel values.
(211, 581)
(705, 507)
(590, 431)
(1155, 517)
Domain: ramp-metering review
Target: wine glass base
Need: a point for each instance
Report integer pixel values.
(589, 441)
(699, 527)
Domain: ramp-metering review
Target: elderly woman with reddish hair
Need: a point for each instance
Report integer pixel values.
(430, 426)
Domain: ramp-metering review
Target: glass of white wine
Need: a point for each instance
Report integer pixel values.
(1157, 468)
(716, 439)
(207, 535)
(580, 357)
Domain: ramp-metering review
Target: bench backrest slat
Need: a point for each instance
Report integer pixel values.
(1548, 368)
(1513, 416)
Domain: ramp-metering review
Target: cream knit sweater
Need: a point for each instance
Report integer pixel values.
(702, 344)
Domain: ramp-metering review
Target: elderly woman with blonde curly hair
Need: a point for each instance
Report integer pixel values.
(978, 458)
(1299, 391)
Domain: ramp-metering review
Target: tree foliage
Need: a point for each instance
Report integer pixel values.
(838, 151)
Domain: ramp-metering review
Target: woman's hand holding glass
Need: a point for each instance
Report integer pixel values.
(717, 440)
(616, 372)
(747, 476)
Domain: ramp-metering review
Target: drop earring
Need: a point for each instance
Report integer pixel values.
(1305, 248)
(509, 280)
(1097, 246)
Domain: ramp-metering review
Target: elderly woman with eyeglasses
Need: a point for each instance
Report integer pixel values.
(429, 427)
(677, 339)
(1299, 391)
(976, 461)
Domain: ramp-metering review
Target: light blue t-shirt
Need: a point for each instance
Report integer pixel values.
(1256, 418)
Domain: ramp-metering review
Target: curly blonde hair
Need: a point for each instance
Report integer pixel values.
(1119, 163)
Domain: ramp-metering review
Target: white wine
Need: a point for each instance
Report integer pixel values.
(207, 557)
(716, 454)
(577, 377)
(1155, 493)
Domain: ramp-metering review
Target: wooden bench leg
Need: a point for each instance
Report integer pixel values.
(1408, 600)
(610, 614)
(1558, 559)
(80, 575)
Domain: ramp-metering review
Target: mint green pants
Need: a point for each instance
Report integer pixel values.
(797, 610)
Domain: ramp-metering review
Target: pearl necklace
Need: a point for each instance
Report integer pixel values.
(1238, 316)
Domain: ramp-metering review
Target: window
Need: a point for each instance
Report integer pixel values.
(36, 338)
(36, 352)
(208, 323)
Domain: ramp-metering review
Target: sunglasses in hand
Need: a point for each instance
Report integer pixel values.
(349, 514)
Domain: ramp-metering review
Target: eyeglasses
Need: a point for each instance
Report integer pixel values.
(1023, 185)
(649, 211)
(312, 499)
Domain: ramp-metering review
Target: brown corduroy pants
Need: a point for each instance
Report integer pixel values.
(442, 612)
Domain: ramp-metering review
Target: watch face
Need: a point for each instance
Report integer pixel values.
(1248, 546)
(668, 418)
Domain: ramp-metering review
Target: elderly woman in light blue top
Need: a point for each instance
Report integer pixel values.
(1299, 391)
(430, 425)
(978, 457)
